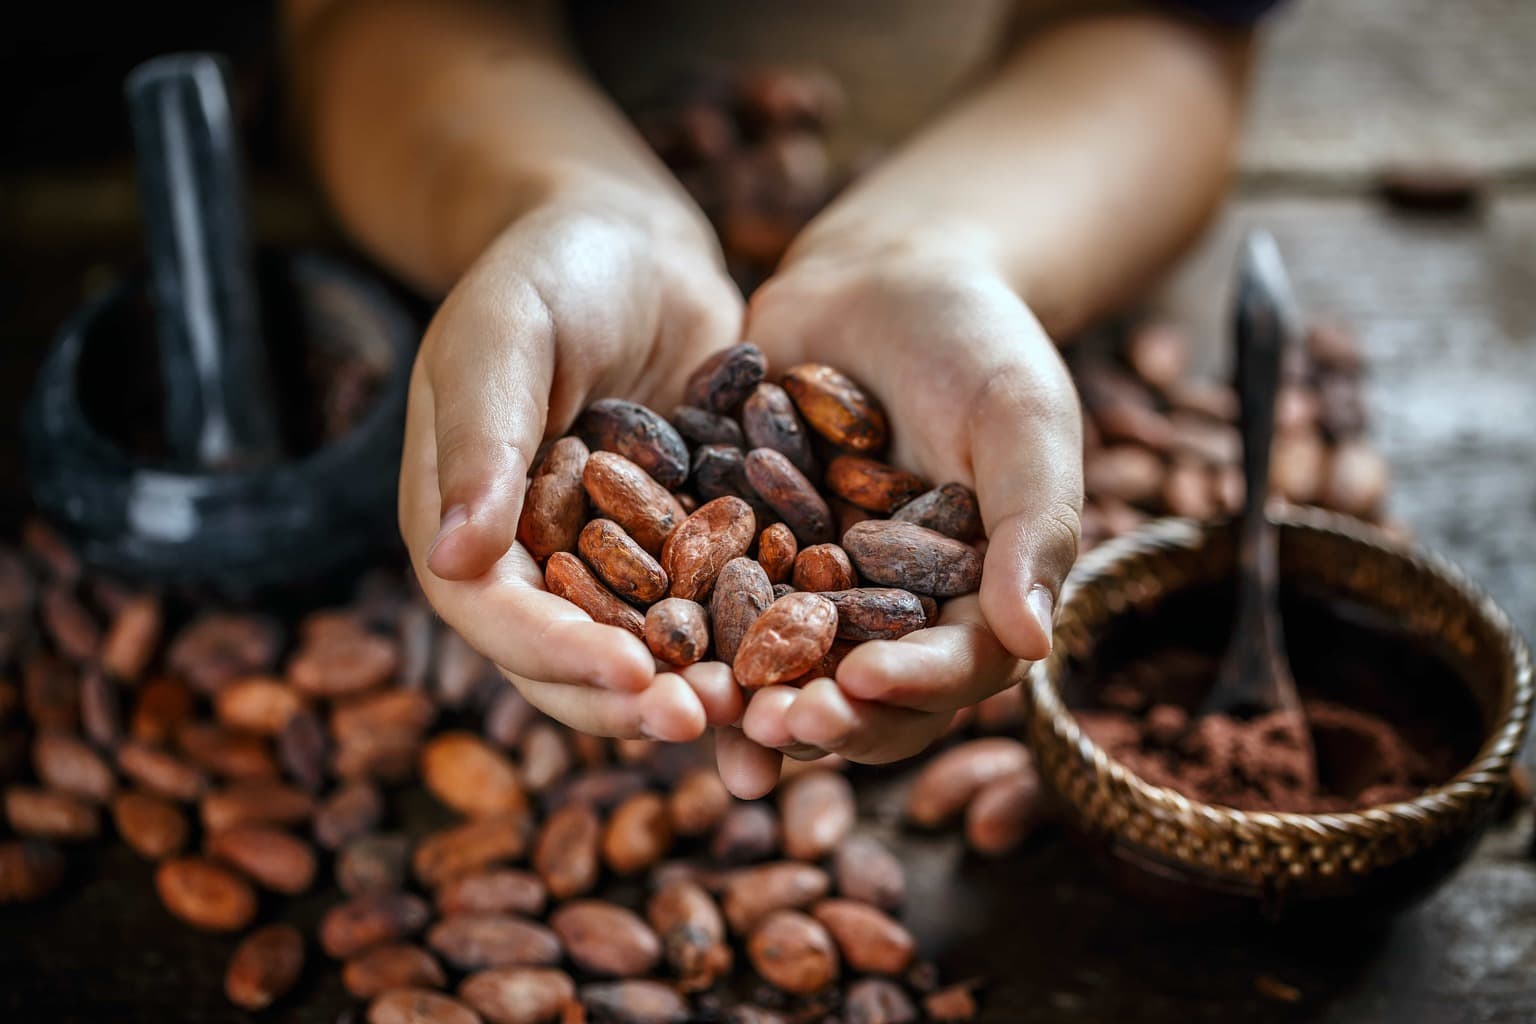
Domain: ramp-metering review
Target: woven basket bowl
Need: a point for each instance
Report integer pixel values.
(1201, 861)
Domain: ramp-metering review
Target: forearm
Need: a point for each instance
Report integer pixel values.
(1095, 153)
(435, 123)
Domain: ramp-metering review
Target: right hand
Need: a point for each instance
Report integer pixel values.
(617, 295)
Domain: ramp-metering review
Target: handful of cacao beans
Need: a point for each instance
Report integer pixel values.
(716, 533)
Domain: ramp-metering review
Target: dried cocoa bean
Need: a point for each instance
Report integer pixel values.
(770, 421)
(638, 834)
(786, 640)
(351, 810)
(255, 803)
(867, 871)
(419, 1006)
(787, 491)
(754, 893)
(698, 802)
(876, 613)
(101, 712)
(638, 434)
(720, 471)
(132, 637)
(372, 863)
(409, 711)
(724, 380)
(154, 827)
(818, 812)
(776, 551)
(230, 755)
(700, 547)
(793, 952)
(836, 407)
(257, 704)
(29, 870)
(271, 858)
(878, 1001)
(51, 692)
(1127, 472)
(677, 631)
(955, 1003)
(499, 891)
(345, 660)
(556, 501)
(623, 492)
(872, 485)
(507, 720)
(635, 1002)
(461, 670)
(160, 772)
(599, 788)
(565, 854)
(867, 938)
(605, 938)
(392, 966)
(469, 775)
(519, 995)
(823, 567)
(160, 709)
(896, 554)
(205, 895)
(264, 967)
(567, 577)
(692, 933)
(49, 814)
(70, 765)
(73, 631)
(949, 509)
(372, 919)
(469, 847)
(1004, 812)
(742, 593)
(218, 648)
(702, 427)
(949, 781)
(748, 832)
(473, 941)
(622, 564)
(545, 756)
(304, 751)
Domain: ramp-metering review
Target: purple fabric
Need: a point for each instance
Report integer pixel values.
(1227, 12)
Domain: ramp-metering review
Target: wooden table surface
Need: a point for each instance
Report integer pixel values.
(1447, 311)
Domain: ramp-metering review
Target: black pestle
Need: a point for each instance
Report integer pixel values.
(219, 412)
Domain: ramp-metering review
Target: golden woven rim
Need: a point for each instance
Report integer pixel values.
(1262, 848)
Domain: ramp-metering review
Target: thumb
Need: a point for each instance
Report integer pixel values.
(1026, 449)
(490, 366)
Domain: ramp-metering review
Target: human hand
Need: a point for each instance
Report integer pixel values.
(975, 392)
(617, 294)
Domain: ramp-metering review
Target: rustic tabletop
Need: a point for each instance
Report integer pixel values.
(1446, 308)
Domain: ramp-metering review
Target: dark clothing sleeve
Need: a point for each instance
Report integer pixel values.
(1227, 12)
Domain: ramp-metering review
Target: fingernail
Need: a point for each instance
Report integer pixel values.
(454, 518)
(1042, 606)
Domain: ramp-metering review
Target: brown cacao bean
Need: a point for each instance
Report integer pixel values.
(720, 471)
(747, 833)
(507, 721)
(878, 1001)
(786, 640)
(30, 869)
(470, 847)
(640, 435)
(955, 1003)
(205, 895)
(1004, 812)
(896, 554)
(638, 834)
(823, 567)
(49, 814)
(567, 577)
(836, 407)
(73, 631)
(692, 933)
(101, 711)
(264, 967)
(51, 692)
(396, 965)
(303, 750)
(566, 852)
(949, 781)
(271, 858)
(351, 810)
(372, 919)
(419, 1006)
(1298, 462)
(724, 380)
(161, 707)
(469, 775)
(769, 420)
(753, 893)
(545, 756)
(255, 803)
(230, 755)
(160, 772)
(132, 637)
(70, 765)
(876, 613)
(635, 1002)
(154, 827)
(1127, 472)
(498, 891)
(818, 812)
(702, 427)
(776, 551)
(793, 952)
(473, 941)
(344, 661)
(605, 938)
(949, 509)
(519, 995)
(867, 938)
(790, 494)
(698, 802)
(372, 863)
(622, 564)
(556, 501)
(867, 871)
(677, 631)
(700, 547)
(623, 492)
(219, 647)
(872, 485)
(742, 593)
(257, 704)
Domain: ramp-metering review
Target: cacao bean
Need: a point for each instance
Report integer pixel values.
(344, 661)
(498, 891)
(867, 938)
(230, 755)
(392, 966)
(49, 814)
(867, 871)
(372, 863)
(1357, 480)
(700, 547)
(638, 834)
(836, 408)
(566, 852)
(692, 933)
(205, 895)
(949, 781)
(896, 554)
(747, 833)
(272, 859)
(1127, 472)
(677, 631)
(73, 631)
(546, 757)
(1159, 353)
(101, 712)
(519, 995)
(639, 435)
(818, 812)
(702, 427)
(70, 765)
(160, 709)
(878, 1001)
(823, 567)
(876, 613)
(469, 775)
(724, 380)
(786, 640)
(720, 471)
(955, 1003)
(255, 803)
(605, 938)
(1004, 812)
(698, 802)
(567, 577)
(556, 500)
(220, 647)
(742, 593)
(154, 827)
(754, 893)
(469, 847)
(419, 1006)
(769, 420)
(793, 952)
(635, 1002)
(623, 492)
(473, 941)
(776, 551)
(351, 810)
(949, 509)
(258, 704)
(264, 967)
(787, 491)
(369, 920)
(29, 870)
(872, 485)
(132, 637)
(621, 563)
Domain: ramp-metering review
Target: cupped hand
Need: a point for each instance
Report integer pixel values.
(975, 392)
(576, 300)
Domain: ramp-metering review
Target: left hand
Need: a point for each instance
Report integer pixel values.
(975, 392)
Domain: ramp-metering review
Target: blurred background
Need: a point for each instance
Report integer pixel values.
(1349, 97)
